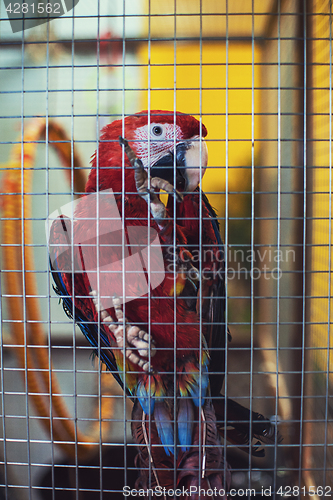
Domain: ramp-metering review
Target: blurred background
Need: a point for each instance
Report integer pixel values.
(259, 75)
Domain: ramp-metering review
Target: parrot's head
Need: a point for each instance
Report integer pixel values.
(170, 145)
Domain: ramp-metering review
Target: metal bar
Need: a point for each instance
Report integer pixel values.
(330, 247)
(123, 111)
(23, 272)
(304, 238)
(252, 251)
(226, 233)
(278, 243)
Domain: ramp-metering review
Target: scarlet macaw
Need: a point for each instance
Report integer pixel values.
(171, 370)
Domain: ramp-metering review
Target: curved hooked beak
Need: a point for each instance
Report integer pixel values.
(190, 168)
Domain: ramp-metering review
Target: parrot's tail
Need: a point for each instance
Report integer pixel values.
(192, 472)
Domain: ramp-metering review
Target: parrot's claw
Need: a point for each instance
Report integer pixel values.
(146, 186)
(139, 344)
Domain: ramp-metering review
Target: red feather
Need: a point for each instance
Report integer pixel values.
(174, 324)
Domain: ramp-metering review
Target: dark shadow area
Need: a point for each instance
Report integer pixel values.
(68, 479)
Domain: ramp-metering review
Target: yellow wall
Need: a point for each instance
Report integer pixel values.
(320, 314)
(162, 77)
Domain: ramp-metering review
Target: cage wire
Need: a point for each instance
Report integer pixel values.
(258, 75)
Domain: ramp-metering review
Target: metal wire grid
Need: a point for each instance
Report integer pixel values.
(318, 395)
(267, 318)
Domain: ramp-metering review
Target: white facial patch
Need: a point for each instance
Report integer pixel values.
(161, 141)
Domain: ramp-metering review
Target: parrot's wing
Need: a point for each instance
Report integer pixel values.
(82, 310)
(216, 331)
(239, 419)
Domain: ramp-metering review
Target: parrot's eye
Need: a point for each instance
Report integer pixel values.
(157, 130)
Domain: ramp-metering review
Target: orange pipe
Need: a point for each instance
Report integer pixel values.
(20, 284)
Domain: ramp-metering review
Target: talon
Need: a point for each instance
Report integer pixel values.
(123, 142)
(145, 336)
(144, 365)
(129, 152)
(143, 348)
(142, 181)
(140, 340)
(133, 357)
(133, 336)
(179, 196)
(116, 302)
(104, 315)
(118, 309)
(140, 174)
(159, 183)
(95, 300)
(119, 338)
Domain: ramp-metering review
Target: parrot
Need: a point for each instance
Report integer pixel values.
(145, 282)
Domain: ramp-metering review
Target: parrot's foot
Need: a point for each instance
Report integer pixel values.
(139, 344)
(146, 186)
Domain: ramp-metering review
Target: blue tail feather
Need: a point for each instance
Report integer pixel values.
(185, 423)
(146, 399)
(164, 427)
(198, 391)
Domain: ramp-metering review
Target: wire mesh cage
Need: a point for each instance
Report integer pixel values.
(253, 305)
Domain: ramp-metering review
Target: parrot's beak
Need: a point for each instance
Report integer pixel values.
(189, 167)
